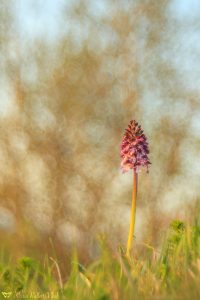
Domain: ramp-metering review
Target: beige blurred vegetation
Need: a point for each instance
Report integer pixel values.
(69, 102)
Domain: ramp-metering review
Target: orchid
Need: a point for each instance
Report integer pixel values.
(134, 153)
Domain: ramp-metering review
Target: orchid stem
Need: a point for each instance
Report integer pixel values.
(133, 210)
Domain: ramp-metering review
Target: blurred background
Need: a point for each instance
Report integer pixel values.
(73, 74)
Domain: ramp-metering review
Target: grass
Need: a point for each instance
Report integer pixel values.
(170, 272)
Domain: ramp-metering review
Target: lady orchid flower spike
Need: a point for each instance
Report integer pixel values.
(134, 153)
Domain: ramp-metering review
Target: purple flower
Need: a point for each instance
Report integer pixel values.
(134, 148)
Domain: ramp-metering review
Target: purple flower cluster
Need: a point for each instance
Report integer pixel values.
(134, 148)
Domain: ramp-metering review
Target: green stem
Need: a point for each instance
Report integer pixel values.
(133, 209)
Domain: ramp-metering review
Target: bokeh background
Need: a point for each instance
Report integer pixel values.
(73, 74)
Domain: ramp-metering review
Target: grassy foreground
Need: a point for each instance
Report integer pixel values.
(171, 272)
